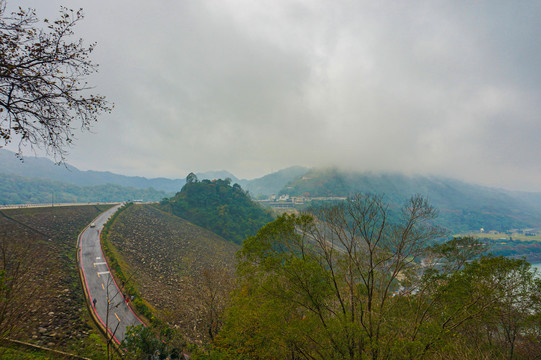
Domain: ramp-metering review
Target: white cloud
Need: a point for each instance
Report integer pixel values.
(448, 87)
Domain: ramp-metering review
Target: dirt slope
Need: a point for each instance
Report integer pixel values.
(50, 302)
(170, 258)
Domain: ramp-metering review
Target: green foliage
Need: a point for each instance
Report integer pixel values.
(143, 342)
(23, 354)
(219, 207)
(21, 190)
(463, 207)
(346, 284)
(531, 250)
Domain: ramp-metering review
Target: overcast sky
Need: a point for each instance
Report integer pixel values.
(432, 87)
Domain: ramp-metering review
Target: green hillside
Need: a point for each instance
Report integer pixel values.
(274, 182)
(462, 206)
(22, 190)
(216, 205)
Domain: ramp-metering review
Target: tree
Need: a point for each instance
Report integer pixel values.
(511, 295)
(219, 207)
(359, 280)
(43, 86)
(213, 287)
(191, 178)
(142, 342)
(330, 276)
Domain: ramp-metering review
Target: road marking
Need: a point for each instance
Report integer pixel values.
(117, 317)
(100, 263)
(98, 258)
(103, 287)
(103, 273)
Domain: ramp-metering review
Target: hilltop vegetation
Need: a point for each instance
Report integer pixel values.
(44, 168)
(46, 306)
(219, 207)
(21, 190)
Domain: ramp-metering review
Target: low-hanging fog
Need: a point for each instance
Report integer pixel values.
(449, 88)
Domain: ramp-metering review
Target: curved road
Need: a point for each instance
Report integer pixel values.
(107, 301)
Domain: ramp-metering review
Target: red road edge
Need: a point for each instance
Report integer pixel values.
(88, 291)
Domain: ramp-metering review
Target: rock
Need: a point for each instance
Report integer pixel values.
(51, 313)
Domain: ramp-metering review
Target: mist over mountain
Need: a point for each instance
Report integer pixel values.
(16, 189)
(273, 183)
(462, 206)
(43, 168)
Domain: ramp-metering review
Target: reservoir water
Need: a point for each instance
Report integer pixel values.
(538, 266)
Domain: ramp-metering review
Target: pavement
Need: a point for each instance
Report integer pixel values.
(107, 300)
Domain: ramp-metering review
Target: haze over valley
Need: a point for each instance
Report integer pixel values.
(240, 180)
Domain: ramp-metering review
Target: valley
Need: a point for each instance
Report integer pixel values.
(173, 255)
(240, 180)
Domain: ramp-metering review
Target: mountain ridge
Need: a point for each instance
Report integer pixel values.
(463, 206)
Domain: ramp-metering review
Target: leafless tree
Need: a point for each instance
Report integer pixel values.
(214, 289)
(43, 86)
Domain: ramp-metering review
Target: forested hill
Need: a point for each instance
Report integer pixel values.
(43, 168)
(22, 190)
(218, 206)
(274, 182)
(462, 206)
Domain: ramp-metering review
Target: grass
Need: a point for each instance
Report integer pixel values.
(22, 354)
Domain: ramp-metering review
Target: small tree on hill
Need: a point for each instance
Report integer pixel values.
(191, 178)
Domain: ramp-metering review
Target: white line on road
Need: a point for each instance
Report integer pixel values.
(100, 263)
